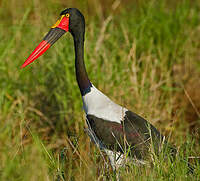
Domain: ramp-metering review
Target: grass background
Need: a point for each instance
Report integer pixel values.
(145, 55)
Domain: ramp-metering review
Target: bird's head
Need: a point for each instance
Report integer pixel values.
(71, 20)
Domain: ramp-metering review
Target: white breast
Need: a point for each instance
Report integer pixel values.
(97, 104)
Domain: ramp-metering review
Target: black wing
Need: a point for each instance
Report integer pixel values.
(134, 135)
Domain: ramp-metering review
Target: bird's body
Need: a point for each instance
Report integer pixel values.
(117, 130)
(112, 127)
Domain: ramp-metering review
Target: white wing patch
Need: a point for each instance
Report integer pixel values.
(99, 105)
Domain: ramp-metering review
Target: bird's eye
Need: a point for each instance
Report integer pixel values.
(67, 15)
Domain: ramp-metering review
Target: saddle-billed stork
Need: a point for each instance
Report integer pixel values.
(112, 127)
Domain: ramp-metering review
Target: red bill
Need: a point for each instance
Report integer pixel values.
(56, 31)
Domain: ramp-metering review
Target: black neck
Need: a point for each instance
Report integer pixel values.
(81, 74)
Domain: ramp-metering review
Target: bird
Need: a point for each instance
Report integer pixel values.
(121, 133)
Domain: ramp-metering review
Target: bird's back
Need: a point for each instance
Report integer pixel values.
(120, 129)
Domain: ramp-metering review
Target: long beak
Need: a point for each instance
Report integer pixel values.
(59, 29)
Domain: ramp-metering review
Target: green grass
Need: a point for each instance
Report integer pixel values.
(144, 55)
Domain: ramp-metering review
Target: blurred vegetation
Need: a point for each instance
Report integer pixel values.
(145, 55)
